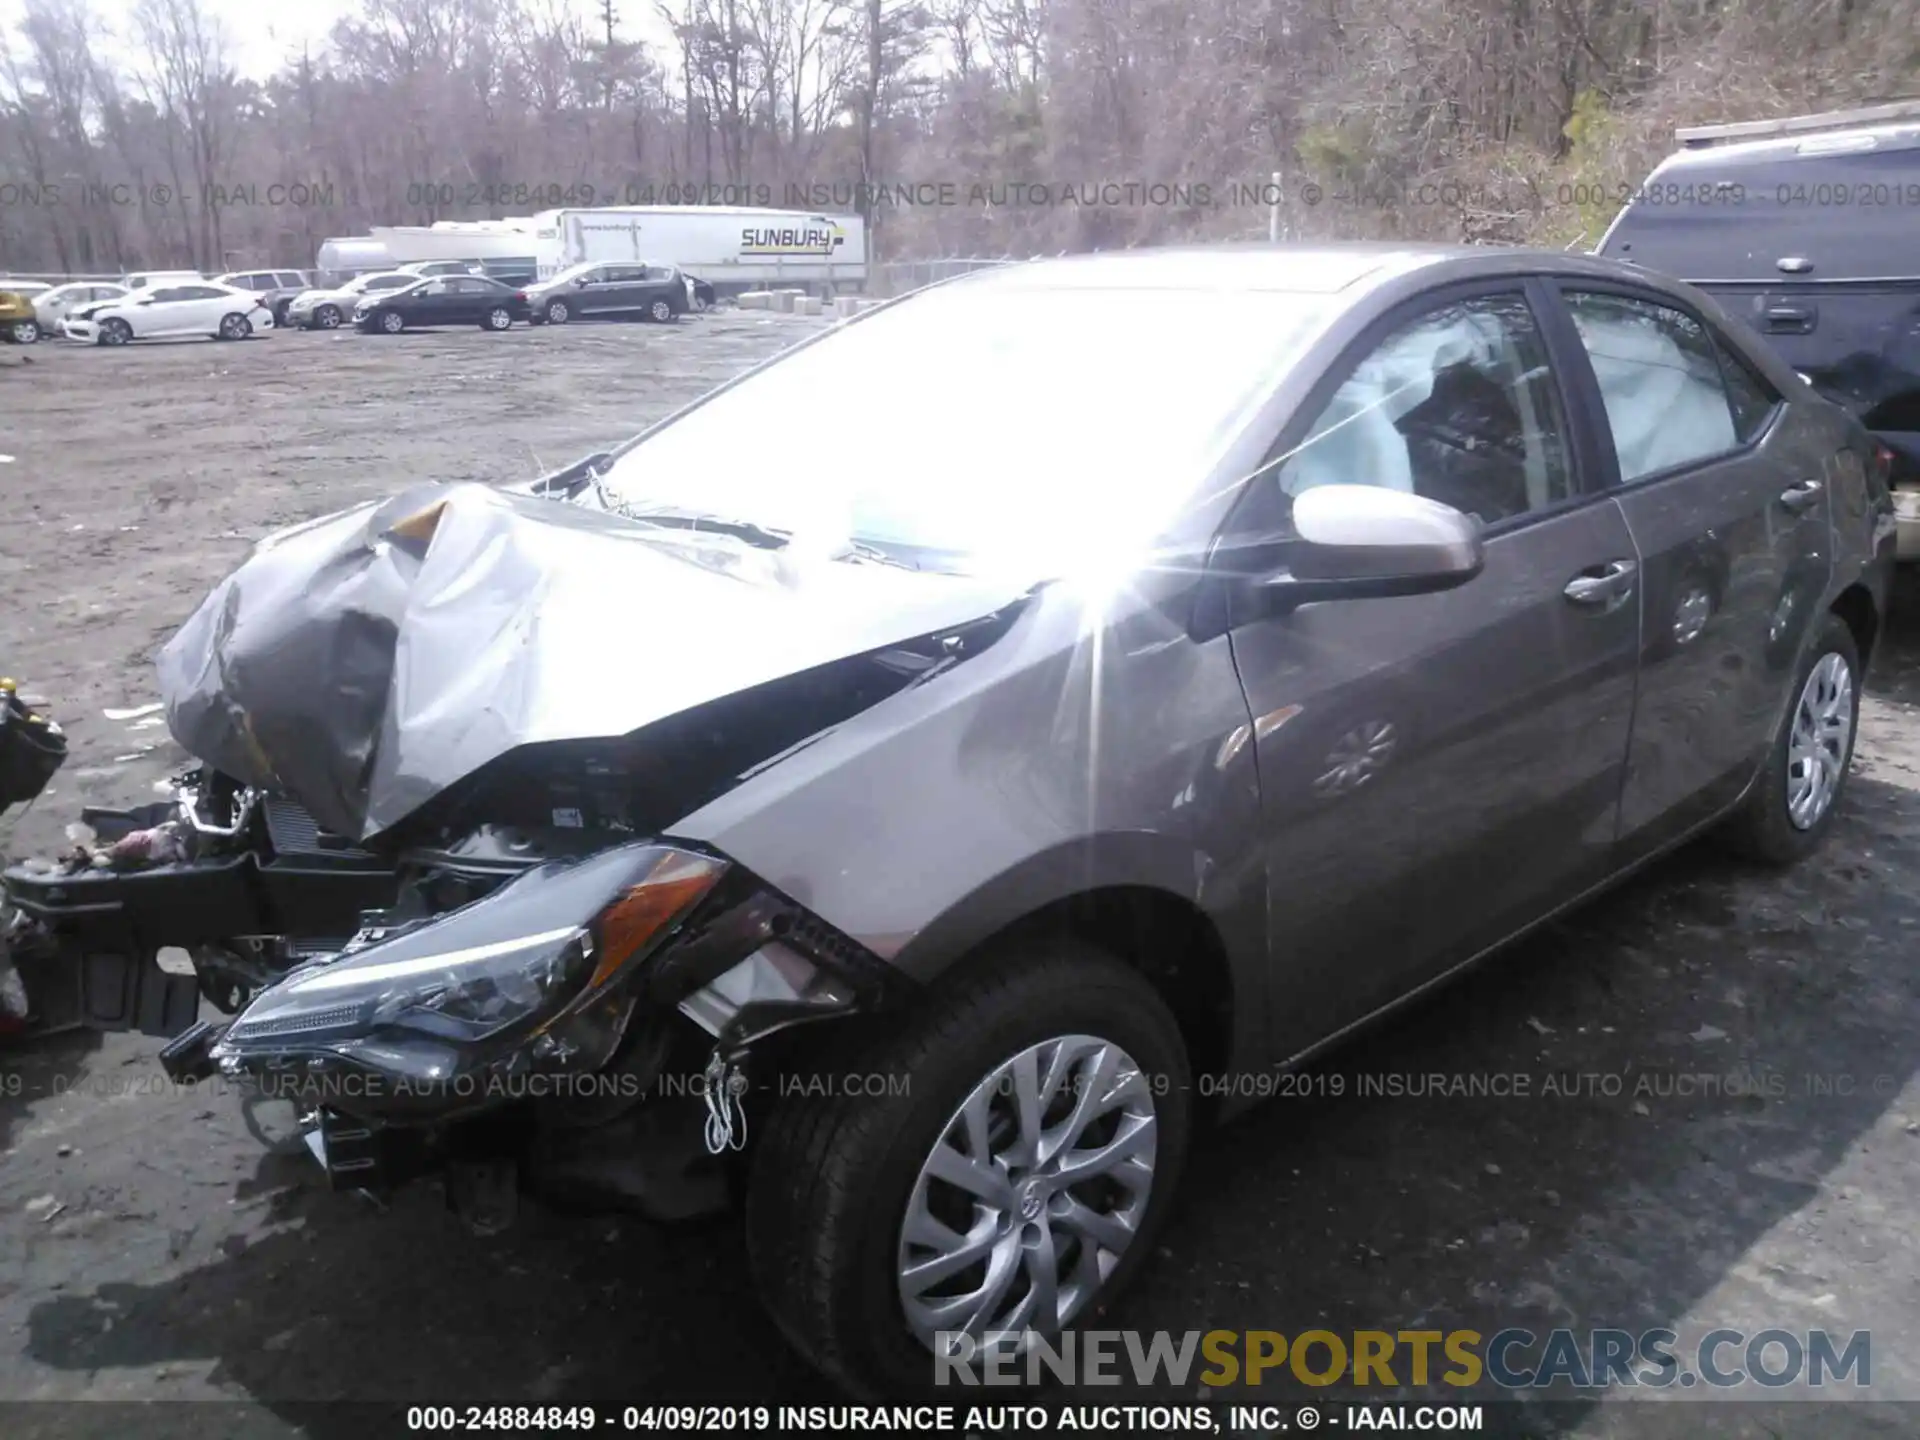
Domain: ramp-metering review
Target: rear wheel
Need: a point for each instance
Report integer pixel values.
(1791, 805)
(1015, 1185)
(327, 317)
(115, 332)
(24, 332)
(558, 313)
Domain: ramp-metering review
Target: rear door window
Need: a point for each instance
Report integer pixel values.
(1666, 399)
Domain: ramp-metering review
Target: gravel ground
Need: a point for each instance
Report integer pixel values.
(1722, 1124)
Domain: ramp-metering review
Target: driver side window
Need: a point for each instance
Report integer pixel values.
(1459, 405)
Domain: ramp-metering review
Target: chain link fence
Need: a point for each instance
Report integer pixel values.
(896, 277)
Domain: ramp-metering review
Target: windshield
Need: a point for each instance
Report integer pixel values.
(981, 428)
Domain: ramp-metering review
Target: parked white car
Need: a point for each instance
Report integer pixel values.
(221, 311)
(50, 307)
(327, 309)
(147, 279)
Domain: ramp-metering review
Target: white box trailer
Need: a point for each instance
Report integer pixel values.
(733, 248)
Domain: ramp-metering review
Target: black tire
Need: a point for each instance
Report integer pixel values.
(233, 327)
(661, 311)
(327, 317)
(834, 1173)
(280, 310)
(558, 313)
(1763, 828)
(115, 331)
(498, 318)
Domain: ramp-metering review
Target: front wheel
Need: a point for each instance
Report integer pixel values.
(392, 322)
(1791, 805)
(114, 332)
(327, 317)
(498, 318)
(661, 311)
(1013, 1183)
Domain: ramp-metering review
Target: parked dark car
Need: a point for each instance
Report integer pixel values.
(1805, 228)
(610, 292)
(442, 300)
(1082, 766)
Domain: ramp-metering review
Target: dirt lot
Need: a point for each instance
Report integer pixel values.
(1733, 1138)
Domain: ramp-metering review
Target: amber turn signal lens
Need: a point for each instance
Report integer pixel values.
(671, 888)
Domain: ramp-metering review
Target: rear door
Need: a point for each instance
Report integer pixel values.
(468, 298)
(625, 290)
(1730, 515)
(1438, 771)
(432, 304)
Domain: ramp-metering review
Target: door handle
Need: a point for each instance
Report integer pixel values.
(1602, 584)
(1802, 496)
(1791, 319)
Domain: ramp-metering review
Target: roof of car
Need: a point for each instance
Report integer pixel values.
(1297, 268)
(1855, 140)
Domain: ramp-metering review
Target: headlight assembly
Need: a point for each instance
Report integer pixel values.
(530, 978)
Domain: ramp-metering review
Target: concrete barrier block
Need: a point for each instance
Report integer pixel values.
(756, 300)
(781, 300)
(806, 305)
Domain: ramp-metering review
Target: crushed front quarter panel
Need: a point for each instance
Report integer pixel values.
(365, 662)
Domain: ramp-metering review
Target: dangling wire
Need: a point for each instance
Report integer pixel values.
(726, 1113)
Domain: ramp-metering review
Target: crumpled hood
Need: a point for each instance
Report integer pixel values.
(364, 662)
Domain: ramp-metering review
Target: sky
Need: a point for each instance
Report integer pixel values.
(264, 34)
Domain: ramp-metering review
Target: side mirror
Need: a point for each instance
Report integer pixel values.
(1358, 541)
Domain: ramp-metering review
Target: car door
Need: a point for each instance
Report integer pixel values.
(601, 294)
(1732, 523)
(155, 312)
(1438, 771)
(434, 303)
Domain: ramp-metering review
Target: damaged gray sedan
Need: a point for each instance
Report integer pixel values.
(906, 791)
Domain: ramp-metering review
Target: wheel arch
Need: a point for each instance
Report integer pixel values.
(1856, 606)
(1134, 897)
